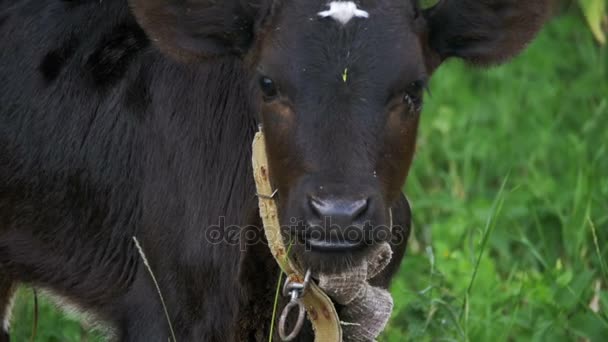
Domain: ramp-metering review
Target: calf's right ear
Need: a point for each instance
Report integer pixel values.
(194, 29)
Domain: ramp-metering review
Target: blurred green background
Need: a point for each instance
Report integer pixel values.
(509, 191)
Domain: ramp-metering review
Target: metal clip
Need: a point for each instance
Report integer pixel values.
(269, 197)
(294, 290)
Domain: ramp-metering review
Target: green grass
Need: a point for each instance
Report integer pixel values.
(53, 325)
(541, 124)
(485, 264)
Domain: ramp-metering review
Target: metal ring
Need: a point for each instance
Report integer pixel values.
(299, 323)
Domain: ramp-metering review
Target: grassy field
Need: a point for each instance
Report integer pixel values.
(510, 197)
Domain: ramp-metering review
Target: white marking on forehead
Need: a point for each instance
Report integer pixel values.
(343, 11)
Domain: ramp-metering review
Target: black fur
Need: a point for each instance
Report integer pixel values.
(107, 134)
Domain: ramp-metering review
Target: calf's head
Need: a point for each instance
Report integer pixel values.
(339, 87)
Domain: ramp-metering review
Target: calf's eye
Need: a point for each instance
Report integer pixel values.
(413, 95)
(268, 88)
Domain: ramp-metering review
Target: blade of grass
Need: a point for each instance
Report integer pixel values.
(465, 311)
(533, 250)
(513, 316)
(36, 313)
(602, 262)
(276, 296)
(585, 307)
(275, 306)
(490, 224)
(453, 317)
(160, 295)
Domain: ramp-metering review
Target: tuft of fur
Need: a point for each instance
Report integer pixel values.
(343, 11)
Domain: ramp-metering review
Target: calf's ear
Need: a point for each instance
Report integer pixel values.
(195, 29)
(482, 32)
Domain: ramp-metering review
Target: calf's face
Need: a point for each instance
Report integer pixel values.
(340, 91)
(339, 87)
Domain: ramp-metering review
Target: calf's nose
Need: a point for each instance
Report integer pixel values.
(342, 212)
(336, 224)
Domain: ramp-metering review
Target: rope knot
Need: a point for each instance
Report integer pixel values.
(367, 309)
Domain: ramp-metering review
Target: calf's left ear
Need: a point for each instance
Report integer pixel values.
(194, 29)
(482, 32)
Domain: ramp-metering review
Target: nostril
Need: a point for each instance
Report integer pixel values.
(339, 208)
(360, 209)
